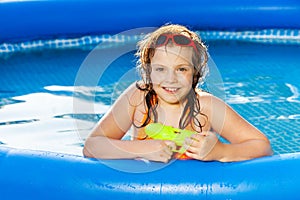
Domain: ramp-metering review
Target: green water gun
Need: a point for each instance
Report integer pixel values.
(161, 132)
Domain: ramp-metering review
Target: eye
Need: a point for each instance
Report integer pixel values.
(183, 68)
(158, 68)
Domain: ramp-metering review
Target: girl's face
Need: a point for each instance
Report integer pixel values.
(172, 73)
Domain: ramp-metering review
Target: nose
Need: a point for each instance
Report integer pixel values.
(171, 76)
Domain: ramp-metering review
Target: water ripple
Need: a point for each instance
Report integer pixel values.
(295, 93)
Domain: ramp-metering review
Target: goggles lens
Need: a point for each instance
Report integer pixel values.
(179, 40)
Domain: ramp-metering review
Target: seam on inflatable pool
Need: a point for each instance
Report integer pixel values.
(274, 36)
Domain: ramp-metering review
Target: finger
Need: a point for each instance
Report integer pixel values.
(168, 152)
(166, 160)
(165, 157)
(192, 149)
(197, 137)
(192, 155)
(187, 143)
(170, 144)
(191, 142)
(195, 153)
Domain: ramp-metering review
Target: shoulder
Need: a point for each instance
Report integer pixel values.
(124, 108)
(131, 89)
(210, 103)
(132, 95)
(205, 97)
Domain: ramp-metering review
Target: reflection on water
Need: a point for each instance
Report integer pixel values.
(46, 121)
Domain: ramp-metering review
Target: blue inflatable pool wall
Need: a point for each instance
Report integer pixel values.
(27, 174)
(23, 20)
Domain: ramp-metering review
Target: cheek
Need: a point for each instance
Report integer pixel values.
(187, 79)
(157, 78)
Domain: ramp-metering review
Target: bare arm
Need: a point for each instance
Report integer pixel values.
(105, 139)
(246, 142)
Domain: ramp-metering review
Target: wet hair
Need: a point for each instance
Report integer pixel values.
(145, 52)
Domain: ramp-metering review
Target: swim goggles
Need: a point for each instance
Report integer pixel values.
(178, 39)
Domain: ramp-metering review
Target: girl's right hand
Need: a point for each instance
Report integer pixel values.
(158, 150)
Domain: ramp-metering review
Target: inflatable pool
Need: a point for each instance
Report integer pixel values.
(29, 174)
(23, 20)
(43, 175)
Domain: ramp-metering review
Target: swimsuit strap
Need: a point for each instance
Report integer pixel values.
(141, 135)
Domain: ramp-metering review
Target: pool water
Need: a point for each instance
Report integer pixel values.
(261, 82)
(37, 94)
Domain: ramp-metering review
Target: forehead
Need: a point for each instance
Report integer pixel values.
(172, 53)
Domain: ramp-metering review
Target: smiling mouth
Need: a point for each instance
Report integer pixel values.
(170, 90)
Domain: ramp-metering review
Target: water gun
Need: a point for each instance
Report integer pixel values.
(161, 132)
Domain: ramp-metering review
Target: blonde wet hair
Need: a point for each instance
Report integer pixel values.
(145, 52)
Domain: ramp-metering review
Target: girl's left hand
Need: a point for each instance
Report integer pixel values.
(199, 146)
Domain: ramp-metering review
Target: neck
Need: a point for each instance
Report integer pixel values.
(171, 106)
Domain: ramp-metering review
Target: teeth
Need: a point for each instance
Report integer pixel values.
(171, 89)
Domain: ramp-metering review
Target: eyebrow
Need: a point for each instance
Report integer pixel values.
(181, 64)
(185, 64)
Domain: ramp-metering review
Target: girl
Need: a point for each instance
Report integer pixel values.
(172, 60)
